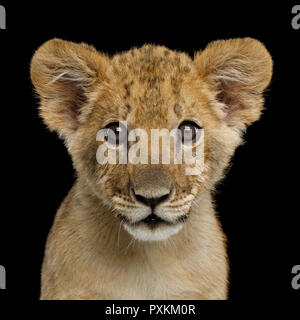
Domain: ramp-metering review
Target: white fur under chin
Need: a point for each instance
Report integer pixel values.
(161, 233)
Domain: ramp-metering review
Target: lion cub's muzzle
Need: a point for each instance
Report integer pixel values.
(152, 220)
(154, 211)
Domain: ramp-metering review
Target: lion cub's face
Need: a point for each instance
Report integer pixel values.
(211, 98)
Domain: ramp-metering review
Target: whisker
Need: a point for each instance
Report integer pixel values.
(119, 234)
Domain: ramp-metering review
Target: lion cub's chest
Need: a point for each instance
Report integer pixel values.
(144, 280)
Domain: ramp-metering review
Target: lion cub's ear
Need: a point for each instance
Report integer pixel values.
(64, 75)
(238, 71)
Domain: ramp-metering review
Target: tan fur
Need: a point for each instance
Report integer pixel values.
(89, 255)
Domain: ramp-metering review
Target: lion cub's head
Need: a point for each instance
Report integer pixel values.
(212, 97)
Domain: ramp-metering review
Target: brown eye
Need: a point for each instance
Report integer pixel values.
(190, 131)
(116, 133)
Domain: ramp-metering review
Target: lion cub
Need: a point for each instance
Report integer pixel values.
(144, 230)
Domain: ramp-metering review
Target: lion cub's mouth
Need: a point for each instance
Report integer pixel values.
(153, 227)
(151, 221)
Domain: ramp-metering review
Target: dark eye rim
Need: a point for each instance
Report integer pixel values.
(112, 126)
(192, 124)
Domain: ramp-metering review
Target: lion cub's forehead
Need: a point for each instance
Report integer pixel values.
(151, 79)
(150, 60)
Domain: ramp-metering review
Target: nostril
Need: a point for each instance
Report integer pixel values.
(151, 202)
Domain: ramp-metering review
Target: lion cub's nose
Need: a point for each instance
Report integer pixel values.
(151, 186)
(151, 202)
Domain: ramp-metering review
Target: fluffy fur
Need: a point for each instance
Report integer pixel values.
(93, 254)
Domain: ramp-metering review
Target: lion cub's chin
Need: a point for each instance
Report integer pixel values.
(159, 233)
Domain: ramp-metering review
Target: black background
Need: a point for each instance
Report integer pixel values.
(258, 201)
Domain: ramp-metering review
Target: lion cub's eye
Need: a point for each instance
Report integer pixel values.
(190, 131)
(116, 133)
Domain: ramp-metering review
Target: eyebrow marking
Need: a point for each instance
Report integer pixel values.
(177, 109)
(127, 88)
(128, 107)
